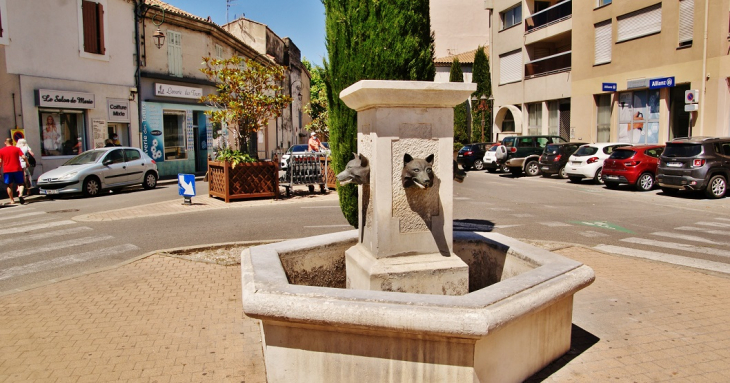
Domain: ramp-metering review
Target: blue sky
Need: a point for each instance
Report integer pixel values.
(300, 20)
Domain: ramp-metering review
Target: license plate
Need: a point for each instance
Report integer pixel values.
(611, 177)
(545, 168)
(674, 164)
(576, 162)
(460, 155)
(51, 191)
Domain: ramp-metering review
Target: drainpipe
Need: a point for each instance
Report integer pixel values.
(704, 71)
(138, 5)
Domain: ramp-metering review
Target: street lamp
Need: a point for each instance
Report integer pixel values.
(482, 107)
(158, 36)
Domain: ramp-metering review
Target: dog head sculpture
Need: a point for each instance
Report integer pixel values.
(356, 171)
(417, 171)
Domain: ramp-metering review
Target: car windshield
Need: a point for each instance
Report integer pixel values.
(682, 150)
(509, 142)
(552, 149)
(494, 148)
(298, 148)
(86, 158)
(586, 151)
(622, 154)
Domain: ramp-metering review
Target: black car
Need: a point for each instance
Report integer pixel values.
(472, 155)
(523, 153)
(555, 156)
(695, 163)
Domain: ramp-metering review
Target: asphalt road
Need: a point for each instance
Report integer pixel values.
(41, 241)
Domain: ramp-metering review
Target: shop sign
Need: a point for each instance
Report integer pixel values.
(98, 131)
(167, 90)
(63, 99)
(609, 87)
(637, 84)
(117, 110)
(661, 82)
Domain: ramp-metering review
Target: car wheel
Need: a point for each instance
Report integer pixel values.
(597, 178)
(575, 180)
(645, 182)
(150, 181)
(670, 191)
(717, 187)
(478, 165)
(611, 185)
(561, 173)
(92, 187)
(532, 169)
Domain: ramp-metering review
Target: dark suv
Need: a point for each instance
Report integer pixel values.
(555, 156)
(695, 163)
(472, 155)
(523, 152)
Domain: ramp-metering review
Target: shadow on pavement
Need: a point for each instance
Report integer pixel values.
(473, 225)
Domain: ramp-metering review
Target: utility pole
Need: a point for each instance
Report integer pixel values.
(228, 6)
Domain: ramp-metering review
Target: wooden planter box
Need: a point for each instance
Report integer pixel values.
(247, 180)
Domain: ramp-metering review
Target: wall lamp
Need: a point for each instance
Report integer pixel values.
(158, 36)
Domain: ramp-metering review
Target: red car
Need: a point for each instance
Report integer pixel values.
(633, 165)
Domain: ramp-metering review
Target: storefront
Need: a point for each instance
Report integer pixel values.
(62, 116)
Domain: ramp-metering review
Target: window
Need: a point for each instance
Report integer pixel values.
(61, 132)
(553, 122)
(508, 124)
(602, 52)
(534, 116)
(115, 156)
(600, 3)
(639, 117)
(93, 23)
(174, 53)
(603, 118)
(131, 155)
(640, 23)
(173, 123)
(686, 22)
(4, 40)
(510, 67)
(511, 17)
(218, 52)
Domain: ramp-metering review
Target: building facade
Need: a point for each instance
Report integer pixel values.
(458, 26)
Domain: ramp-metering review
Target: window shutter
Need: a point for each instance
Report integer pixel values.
(603, 42)
(686, 20)
(510, 67)
(1, 23)
(100, 28)
(640, 23)
(88, 12)
(174, 53)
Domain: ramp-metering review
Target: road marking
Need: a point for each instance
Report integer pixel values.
(22, 215)
(41, 236)
(702, 229)
(714, 224)
(64, 261)
(555, 224)
(604, 225)
(505, 226)
(55, 246)
(668, 258)
(722, 219)
(687, 238)
(500, 209)
(24, 229)
(27, 221)
(679, 246)
(522, 215)
(592, 234)
(461, 198)
(322, 226)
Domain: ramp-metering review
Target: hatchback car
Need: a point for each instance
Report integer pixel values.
(472, 155)
(555, 156)
(587, 161)
(696, 163)
(100, 169)
(494, 159)
(635, 165)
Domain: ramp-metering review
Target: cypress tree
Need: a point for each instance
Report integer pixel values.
(482, 78)
(460, 111)
(373, 40)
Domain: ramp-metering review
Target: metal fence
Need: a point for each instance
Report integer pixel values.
(306, 169)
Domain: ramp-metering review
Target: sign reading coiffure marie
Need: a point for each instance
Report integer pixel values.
(117, 110)
(167, 90)
(63, 99)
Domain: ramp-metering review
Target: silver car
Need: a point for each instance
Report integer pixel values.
(95, 170)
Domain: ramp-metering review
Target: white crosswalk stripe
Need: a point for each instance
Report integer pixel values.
(669, 258)
(713, 224)
(54, 246)
(555, 224)
(592, 234)
(692, 228)
(679, 246)
(41, 236)
(37, 219)
(6, 218)
(687, 237)
(25, 229)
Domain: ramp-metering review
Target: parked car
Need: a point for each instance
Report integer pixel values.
(635, 165)
(298, 149)
(695, 163)
(472, 155)
(494, 158)
(555, 156)
(587, 161)
(524, 153)
(100, 169)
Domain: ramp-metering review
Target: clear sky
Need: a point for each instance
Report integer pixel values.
(300, 20)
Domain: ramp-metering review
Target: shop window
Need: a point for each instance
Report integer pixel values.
(603, 118)
(639, 117)
(174, 53)
(602, 43)
(173, 123)
(92, 14)
(534, 117)
(62, 132)
(644, 22)
(511, 17)
(686, 22)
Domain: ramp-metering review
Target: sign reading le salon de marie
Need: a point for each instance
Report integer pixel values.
(63, 99)
(168, 90)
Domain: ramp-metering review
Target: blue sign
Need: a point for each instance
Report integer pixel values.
(609, 87)
(661, 82)
(186, 184)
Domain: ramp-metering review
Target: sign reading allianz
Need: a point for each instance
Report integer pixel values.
(63, 99)
(167, 90)
(662, 82)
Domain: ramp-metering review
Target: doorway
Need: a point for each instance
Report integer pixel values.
(122, 132)
(678, 119)
(200, 132)
(564, 113)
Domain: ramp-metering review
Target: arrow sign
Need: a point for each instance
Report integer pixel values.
(186, 185)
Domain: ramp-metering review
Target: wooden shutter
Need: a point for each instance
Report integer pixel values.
(640, 23)
(510, 67)
(93, 19)
(602, 51)
(686, 20)
(100, 28)
(174, 53)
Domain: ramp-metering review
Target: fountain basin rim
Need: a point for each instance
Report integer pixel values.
(368, 94)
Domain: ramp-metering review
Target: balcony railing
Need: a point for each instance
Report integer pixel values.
(548, 65)
(548, 16)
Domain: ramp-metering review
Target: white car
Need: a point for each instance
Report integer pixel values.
(298, 149)
(587, 161)
(492, 155)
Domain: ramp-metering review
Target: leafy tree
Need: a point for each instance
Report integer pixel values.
(318, 107)
(461, 111)
(249, 95)
(482, 78)
(376, 40)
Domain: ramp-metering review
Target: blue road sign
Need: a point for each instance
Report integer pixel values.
(661, 82)
(609, 87)
(186, 184)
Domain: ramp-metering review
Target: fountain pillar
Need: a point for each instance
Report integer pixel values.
(405, 240)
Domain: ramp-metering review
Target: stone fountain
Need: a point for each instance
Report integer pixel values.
(405, 298)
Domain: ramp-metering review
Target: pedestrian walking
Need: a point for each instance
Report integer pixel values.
(10, 157)
(315, 145)
(28, 166)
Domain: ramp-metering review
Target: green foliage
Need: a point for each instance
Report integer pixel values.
(481, 77)
(249, 94)
(235, 157)
(318, 107)
(461, 111)
(370, 39)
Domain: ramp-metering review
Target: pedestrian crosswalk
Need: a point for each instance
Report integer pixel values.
(34, 241)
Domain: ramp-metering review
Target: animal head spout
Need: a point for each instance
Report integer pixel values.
(417, 171)
(356, 171)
